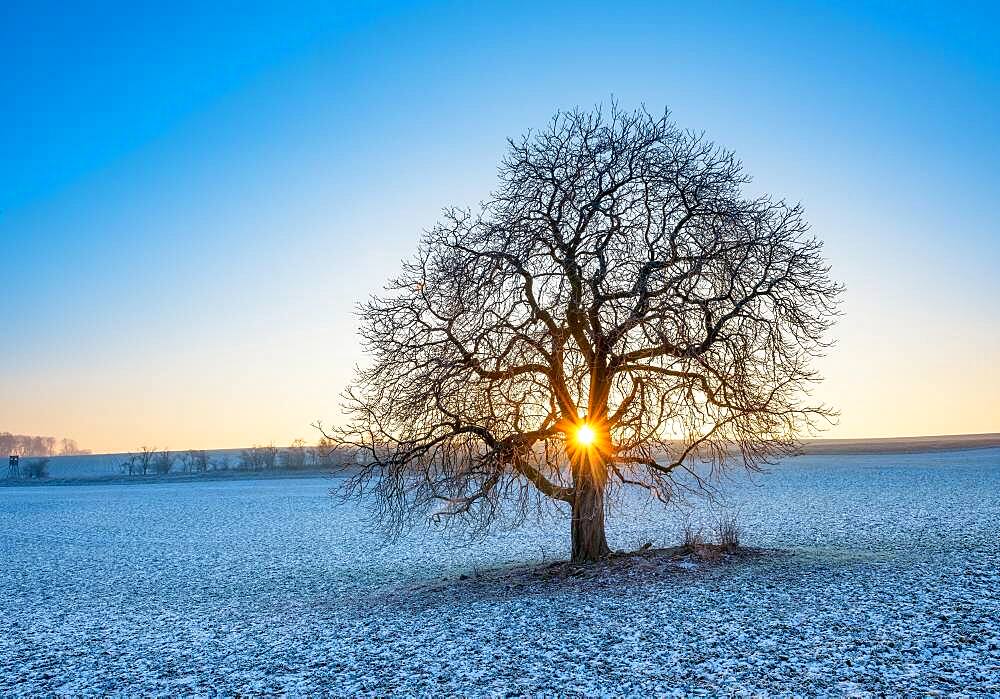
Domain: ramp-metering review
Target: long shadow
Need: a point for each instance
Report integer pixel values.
(677, 565)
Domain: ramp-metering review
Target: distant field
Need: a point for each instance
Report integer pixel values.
(97, 466)
(902, 445)
(887, 582)
(102, 465)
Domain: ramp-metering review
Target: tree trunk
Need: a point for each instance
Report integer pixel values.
(588, 539)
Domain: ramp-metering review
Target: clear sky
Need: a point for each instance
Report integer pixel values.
(192, 200)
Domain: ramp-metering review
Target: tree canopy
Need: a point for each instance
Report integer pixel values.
(616, 314)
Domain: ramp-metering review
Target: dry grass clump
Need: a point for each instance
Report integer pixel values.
(691, 536)
(726, 533)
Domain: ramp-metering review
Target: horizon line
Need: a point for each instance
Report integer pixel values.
(971, 436)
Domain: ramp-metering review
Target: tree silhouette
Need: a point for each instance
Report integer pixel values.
(618, 314)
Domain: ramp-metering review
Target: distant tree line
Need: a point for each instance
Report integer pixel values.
(146, 461)
(296, 457)
(34, 445)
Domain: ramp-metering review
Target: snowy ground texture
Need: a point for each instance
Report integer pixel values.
(889, 584)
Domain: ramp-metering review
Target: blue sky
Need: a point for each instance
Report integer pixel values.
(192, 200)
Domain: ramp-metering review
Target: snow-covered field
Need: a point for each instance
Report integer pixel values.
(889, 583)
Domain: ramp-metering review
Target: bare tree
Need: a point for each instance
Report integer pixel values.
(129, 464)
(43, 446)
(27, 445)
(196, 460)
(163, 462)
(8, 444)
(69, 447)
(324, 454)
(619, 314)
(259, 458)
(142, 461)
(294, 457)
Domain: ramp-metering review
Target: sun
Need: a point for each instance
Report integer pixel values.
(585, 435)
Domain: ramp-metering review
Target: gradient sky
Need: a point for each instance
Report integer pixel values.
(192, 200)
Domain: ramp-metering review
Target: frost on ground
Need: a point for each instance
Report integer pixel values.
(888, 582)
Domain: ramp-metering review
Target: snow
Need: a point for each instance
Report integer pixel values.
(887, 582)
(90, 466)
